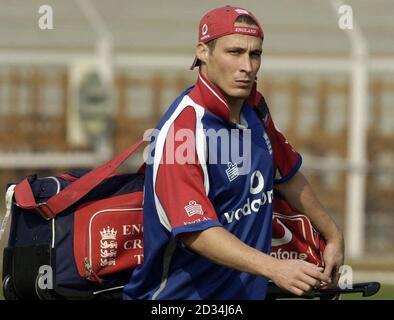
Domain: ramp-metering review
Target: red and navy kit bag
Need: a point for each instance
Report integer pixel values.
(77, 235)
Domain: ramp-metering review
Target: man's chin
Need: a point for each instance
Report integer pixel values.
(237, 94)
(241, 93)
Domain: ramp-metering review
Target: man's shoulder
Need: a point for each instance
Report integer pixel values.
(175, 108)
(183, 113)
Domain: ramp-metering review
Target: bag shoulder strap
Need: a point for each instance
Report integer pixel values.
(72, 193)
(262, 111)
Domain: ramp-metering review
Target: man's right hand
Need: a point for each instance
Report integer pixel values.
(297, 276)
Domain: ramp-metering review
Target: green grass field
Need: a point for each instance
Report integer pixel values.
(386, 292)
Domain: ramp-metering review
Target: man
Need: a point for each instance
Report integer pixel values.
(207, 215)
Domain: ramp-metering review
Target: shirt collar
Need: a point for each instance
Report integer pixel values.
(208, 96)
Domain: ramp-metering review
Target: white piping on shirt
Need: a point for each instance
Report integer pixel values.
(216, 95)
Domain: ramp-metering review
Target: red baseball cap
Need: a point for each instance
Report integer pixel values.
(220, 22)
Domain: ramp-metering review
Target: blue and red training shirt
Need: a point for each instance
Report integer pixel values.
(205, 171)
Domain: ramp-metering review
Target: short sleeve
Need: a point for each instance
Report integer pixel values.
(180, 189)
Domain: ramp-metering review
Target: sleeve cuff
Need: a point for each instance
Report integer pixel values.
(198, 226)
(292, 172)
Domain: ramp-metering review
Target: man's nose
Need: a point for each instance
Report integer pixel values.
(246, 64)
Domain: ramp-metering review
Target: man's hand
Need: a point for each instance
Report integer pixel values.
(333, 257)
(298, 276)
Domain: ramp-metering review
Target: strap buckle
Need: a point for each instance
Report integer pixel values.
(45, 211)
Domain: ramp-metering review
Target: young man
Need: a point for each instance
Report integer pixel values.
(208, 212)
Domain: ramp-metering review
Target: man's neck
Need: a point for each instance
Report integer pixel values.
(234, 104)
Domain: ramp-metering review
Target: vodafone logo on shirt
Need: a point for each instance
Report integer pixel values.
(253, 203)
(283, 239)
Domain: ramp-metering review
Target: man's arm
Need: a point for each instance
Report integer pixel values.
(222, 247)
(300, 195)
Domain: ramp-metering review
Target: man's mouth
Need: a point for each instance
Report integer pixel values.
(243, 83)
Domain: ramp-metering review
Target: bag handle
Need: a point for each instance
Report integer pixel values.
(8, 205)
(72, 193)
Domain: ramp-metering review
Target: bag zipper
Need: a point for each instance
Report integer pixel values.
(89, 273)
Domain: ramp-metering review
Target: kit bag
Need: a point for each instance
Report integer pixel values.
(77, 235)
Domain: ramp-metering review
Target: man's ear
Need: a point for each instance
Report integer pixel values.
(202, 52)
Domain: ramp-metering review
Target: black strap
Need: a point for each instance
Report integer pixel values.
(262, 111)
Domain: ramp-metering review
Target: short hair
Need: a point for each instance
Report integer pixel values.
(241, 19)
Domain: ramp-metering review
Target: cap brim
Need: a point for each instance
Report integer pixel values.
(196, 63)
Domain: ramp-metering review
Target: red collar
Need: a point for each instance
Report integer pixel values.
(208, 96)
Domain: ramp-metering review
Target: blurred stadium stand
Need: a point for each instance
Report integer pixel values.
(304, 76)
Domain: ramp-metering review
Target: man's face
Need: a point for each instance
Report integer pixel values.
(233, 64)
